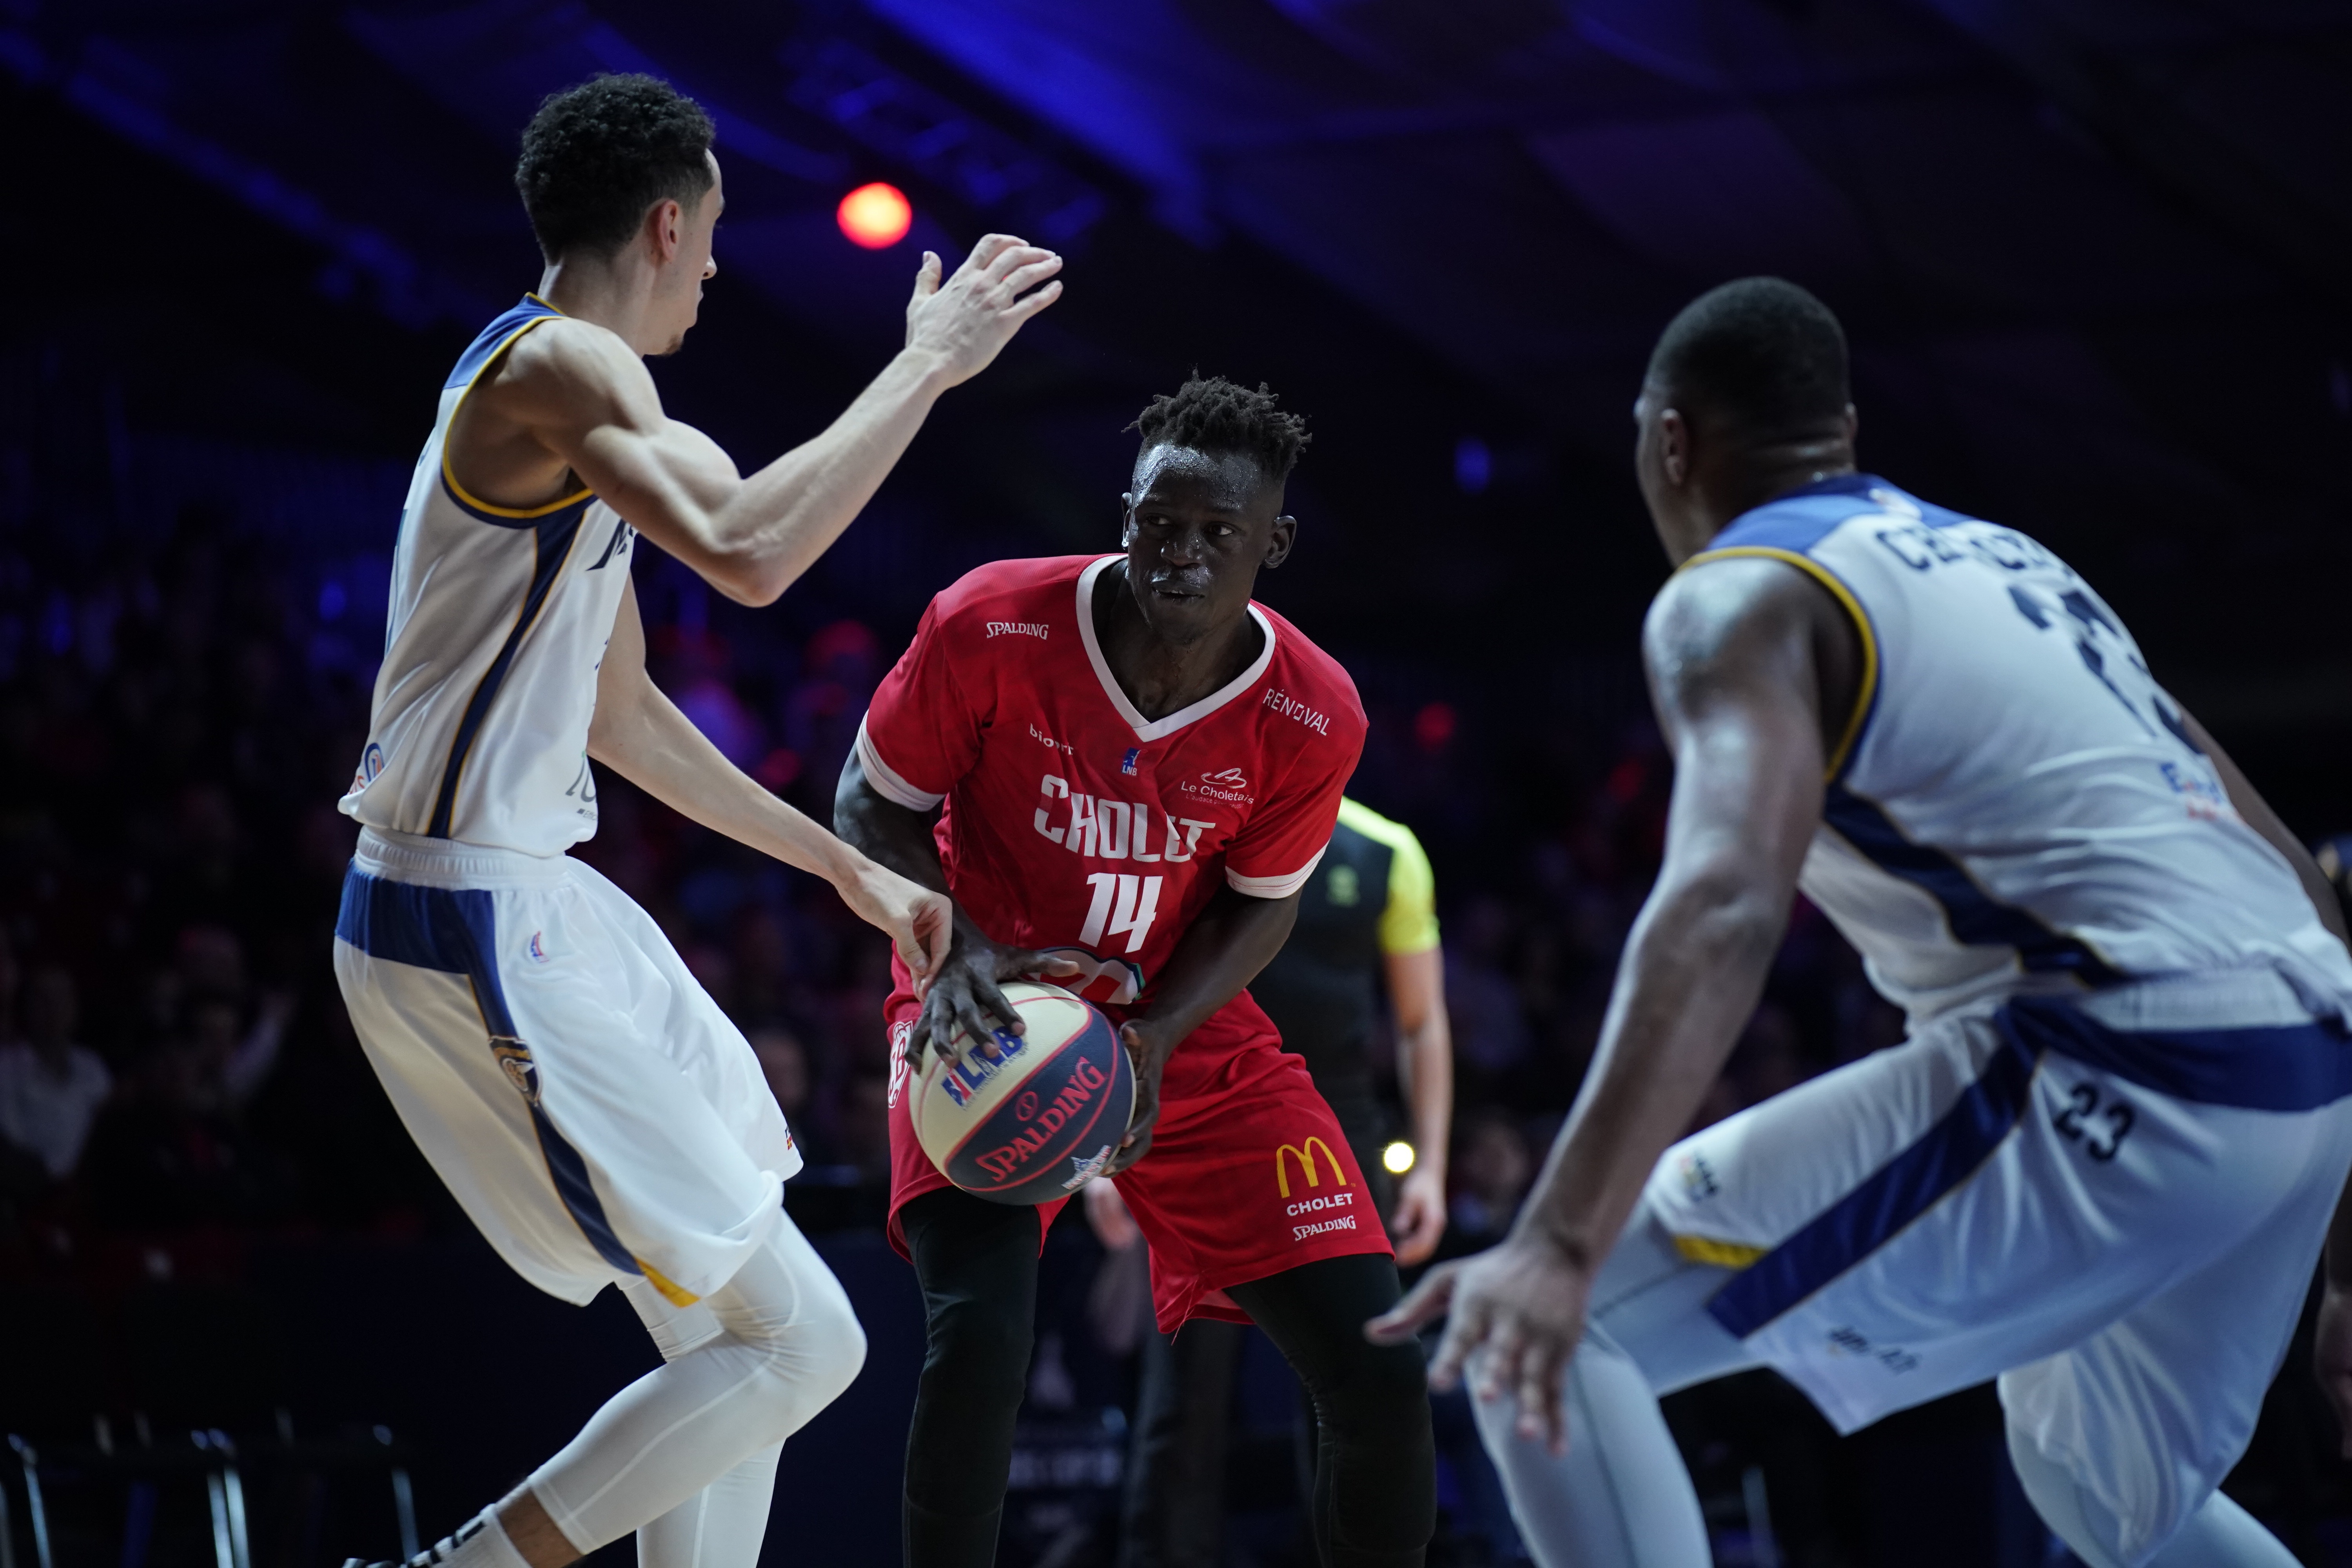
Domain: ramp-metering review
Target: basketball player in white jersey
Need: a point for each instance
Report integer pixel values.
(2102, 1165)
(588, 1106)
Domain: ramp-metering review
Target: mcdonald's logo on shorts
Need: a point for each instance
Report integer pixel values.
(1306, 1163)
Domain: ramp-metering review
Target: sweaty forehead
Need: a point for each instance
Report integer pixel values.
(1229, 482)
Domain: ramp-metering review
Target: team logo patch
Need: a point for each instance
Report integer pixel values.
(1320, 1202)
(514, 1060)
(899, 1066)
(1306, 1158)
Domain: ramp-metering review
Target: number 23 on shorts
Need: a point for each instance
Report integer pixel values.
(2100, 1129)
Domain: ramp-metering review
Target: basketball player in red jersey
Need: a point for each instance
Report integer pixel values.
(1123, 771)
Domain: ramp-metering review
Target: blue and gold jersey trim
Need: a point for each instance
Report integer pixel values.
(1865, 697)
(495, 339)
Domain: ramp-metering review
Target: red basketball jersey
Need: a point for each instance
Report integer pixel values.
(1073, 822)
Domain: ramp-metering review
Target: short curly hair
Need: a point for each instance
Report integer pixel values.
(1210, 413)
(1761, 353)
(596, 156)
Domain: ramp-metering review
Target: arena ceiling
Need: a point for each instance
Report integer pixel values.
(2094, 253)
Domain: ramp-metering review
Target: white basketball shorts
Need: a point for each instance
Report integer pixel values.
(2112, 1203)
(588, 1104)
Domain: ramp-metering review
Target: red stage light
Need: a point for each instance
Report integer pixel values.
(875, 217)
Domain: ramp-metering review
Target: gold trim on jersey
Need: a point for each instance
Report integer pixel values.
(1868, 689)
(450, 476)
(1718, 1253)
(677, 1295)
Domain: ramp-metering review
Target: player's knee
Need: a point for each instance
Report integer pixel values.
(1377, 1388)
(979, 1351)
(833, 1350)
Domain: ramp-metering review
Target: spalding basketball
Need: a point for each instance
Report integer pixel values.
(1045, 1118)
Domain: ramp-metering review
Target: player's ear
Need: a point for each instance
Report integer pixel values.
(666, 225)
(1279, 539)
(1674, 447)
(1126, 518)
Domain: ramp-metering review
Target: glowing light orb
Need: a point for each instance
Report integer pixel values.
(875, 217)
(1398, 1157)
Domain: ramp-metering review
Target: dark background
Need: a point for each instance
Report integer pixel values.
(2092, 259)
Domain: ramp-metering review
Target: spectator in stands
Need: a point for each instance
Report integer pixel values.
(50, 1088)
(1492, 1168)
(784, 1063)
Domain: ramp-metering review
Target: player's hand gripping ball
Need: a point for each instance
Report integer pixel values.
(1041, 1119)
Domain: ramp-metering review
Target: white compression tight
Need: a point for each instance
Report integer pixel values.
(1620, 1497)
(686, 1455)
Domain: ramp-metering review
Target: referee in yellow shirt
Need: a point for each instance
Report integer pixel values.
(1367, 918)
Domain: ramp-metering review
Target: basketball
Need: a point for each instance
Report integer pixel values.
(1042, 1121)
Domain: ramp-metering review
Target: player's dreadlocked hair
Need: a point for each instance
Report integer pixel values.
(1762, 352)
(594, 158)
(1216, 416)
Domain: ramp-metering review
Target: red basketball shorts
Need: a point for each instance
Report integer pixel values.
(1248, 1172)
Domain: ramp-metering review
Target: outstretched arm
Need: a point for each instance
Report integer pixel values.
(1733, 650)
(640, 735)
(964, 991)
(587, 397)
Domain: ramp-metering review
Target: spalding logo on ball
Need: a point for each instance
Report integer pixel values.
(1041, 1119)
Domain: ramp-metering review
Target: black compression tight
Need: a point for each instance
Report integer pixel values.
(1375, 1501)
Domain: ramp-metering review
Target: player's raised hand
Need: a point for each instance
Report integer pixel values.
(2331, 1357)
(965, 321)
(963, 993)
(1514, 1315)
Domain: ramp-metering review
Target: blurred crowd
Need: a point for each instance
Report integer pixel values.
(179, 716)
(181, 1090)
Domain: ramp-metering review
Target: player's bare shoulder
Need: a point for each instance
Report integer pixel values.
(1744, 621)
(571, 372)
(538, 401)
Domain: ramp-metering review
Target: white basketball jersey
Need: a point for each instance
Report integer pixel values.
(2016, 803)
(500, 618)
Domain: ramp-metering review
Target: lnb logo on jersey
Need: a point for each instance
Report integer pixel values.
(967, 1072)
(537, 949)
(371, 767)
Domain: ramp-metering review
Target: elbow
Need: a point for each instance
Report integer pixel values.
(742, 570)
(753, 584)
(1729, 916)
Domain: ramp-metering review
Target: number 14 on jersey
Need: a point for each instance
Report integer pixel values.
(1123, 906)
